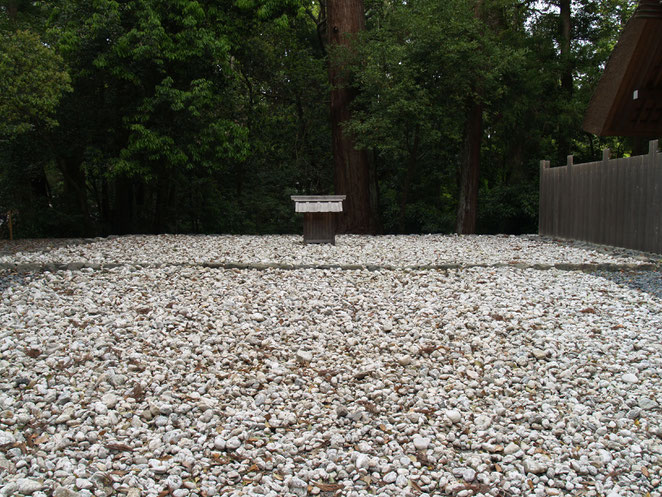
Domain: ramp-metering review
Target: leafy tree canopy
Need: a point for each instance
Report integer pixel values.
(32, 82)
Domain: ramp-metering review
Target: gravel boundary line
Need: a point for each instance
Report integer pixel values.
(77, 266)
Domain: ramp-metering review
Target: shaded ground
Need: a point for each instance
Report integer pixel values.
(12, 247)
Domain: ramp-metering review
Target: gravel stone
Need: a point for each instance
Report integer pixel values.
(539, 354)
(28, 486)
(9, 489)
(219, 443)
(304, 356)
(630, 378)
(454, 415)
(6, 438)
(65, 492)
(84, 484)
(405, 360)
(647, 403)
(534, 467)
(390, 477)
(421, 443)
(233, 444)
(511, 449)
(362, 461)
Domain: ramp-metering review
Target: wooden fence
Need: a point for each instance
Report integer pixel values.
(612, 202)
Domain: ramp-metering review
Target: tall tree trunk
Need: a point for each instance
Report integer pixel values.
(353, 176)
(467, 209)
(567, 82)
(470, 169)
(566, 38)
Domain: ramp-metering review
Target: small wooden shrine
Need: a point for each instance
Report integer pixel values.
(319, 216)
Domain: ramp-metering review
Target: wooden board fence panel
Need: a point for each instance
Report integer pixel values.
(613, 201)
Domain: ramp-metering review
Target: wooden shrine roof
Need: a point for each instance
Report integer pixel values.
(318, 203)
(628, 98)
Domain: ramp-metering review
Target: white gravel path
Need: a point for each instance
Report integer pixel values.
(196, 381)
(391, 251)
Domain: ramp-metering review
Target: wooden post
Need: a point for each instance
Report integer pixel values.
(541, 203)
(11, 227)
(543, 195)
(606, 155)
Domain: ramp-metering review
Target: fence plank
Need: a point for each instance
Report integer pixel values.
(631, 202)
(591, 181)
(594, 206)
(657, 207)
(583, 206)
(652, 206)
(580, 204)
(586, 207)
(571, 206)
(553, 222)
(621, 202)
(605, 187)
(642, 193)
(545, 190)
(558, 200)
(635, 193)
(610, 195)
(549, 185)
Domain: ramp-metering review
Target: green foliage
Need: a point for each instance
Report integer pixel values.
(197, 116)
(415, 75)
(32, 81)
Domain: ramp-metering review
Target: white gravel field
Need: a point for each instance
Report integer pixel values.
(144, 372)
(401, 251)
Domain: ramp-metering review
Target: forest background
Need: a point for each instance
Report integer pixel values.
(151, 116)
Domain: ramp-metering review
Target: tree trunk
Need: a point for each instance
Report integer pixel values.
(12, 10)
(469, 172)
(75, 190)
(467, 208)
(411, 169)
(163, 205)
(123, 214)
(566, 37)
(567, 82)
(353, 176)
